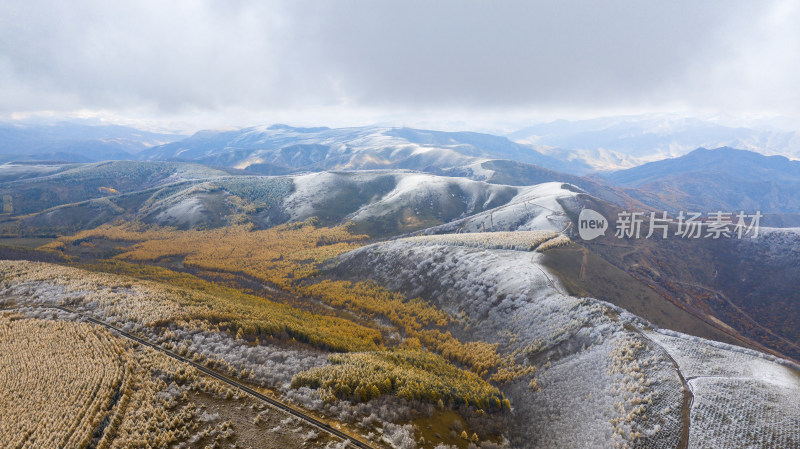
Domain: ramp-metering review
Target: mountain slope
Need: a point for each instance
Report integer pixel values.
(389, 203)
(380, 202)
(522, 174)
(740, 288)
(697, 286)
(37, 188)
(283, 150)
(604, 378)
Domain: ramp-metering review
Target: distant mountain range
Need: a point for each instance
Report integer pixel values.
(74, 141)
(707, 180)
(720, 179)
(575, 147)
(281, 149)
(622, 142)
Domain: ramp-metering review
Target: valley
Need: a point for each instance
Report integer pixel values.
(401, 308)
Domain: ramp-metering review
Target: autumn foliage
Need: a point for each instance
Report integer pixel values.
(407, 373)
(74, 385)
(287, 258)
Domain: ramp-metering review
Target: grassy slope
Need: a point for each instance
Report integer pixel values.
(584, 273)
(687, 274)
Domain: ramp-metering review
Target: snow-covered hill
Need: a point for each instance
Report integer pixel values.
(604, 377)
(379, 203)
(539, 207)
(281, 149)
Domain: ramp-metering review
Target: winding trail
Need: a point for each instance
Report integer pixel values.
(549, 279)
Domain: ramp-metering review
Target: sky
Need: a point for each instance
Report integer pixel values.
(191, 64)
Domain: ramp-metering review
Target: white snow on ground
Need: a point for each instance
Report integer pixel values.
(777, 240)
(410, 188)
(766, 230)
(309, 189)
(184, 172)
(533, 208)
(743, 413)
(417, 187)
(314, 189)
(520, 208)
(742, 398)
(540, 204)
(9, 170)
(702, 358)
(188, 211)
(478, 171)
(578, 382)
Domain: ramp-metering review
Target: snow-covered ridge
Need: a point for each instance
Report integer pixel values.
(602, 378)
(538, 207)
(464, 205)
(386, 194)
(509, 298)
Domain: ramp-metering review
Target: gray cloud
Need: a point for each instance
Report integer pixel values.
(184, 56)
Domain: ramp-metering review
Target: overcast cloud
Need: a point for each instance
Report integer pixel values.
(177, 58)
